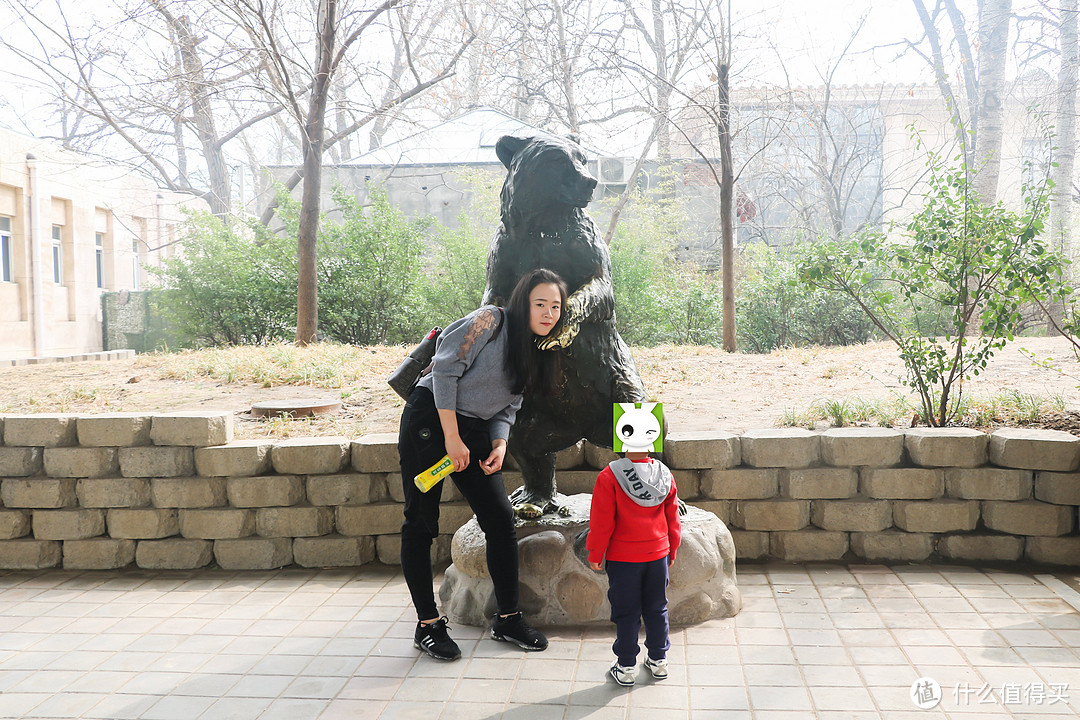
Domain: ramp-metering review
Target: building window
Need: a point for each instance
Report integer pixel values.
(5, 249)
(57, 256)
(135, 265)
(99, 258)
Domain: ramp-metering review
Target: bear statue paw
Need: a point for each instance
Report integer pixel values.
(530, 505)
(528, 511)
(561, 339)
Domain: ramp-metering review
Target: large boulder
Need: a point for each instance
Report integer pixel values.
(558, 588)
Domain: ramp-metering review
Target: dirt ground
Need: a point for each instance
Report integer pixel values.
(701, 388)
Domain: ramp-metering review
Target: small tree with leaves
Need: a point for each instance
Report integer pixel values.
(969, 265)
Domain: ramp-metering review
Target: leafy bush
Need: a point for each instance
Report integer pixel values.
(775, 309)
(229, 286)
(370, 272)
(457, 259)
(969, 266)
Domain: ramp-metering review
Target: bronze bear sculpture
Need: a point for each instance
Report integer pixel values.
(543, 224)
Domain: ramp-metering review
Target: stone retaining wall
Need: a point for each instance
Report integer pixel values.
(174, 491)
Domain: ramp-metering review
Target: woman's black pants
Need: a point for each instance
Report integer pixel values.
(420, 445)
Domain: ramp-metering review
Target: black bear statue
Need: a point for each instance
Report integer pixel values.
(544, 224)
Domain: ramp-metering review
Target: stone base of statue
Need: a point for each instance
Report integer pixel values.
(558, 588)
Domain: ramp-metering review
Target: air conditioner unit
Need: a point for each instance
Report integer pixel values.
(615, 170)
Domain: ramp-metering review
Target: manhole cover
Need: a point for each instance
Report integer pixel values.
(295, 408)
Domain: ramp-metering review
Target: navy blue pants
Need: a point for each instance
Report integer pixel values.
(420, 445)
(638, 591)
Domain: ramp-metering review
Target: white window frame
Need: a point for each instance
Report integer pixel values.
(7, 271)
(136, 274)
(99, 258)
(58, 254)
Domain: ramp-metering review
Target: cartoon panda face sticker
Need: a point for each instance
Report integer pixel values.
(637, 427)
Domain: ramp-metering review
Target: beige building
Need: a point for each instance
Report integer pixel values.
(72, 228)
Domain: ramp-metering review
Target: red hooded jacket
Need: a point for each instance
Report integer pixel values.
(622, 530)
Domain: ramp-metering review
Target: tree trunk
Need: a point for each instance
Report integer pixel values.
(727, 227)
(662, 84)
(307, 299)
(994, 22)
(1061, 200)
(193, 80)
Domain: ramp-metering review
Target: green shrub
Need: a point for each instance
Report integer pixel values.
(229, 286)
(370, 273)
(775, 309)
(968, 266)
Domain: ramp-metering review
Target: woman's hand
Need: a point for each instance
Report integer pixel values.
(458, 452)
(494, 461)
(596, 566)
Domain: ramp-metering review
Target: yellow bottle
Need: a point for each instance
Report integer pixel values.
(434, 474)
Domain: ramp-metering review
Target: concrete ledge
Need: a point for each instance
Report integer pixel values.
(704, 449)
(192, 428)
(312, 456)
(946, 447)
(782, 447)
(44, 430)
(239, 458)
(375, 453)
(1035, 449)
(848, 447)
(114, 429)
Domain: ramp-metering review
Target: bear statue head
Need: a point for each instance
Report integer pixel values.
(546, 174)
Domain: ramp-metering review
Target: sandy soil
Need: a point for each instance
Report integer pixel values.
(702, 388)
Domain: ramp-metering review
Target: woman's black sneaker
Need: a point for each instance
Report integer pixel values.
(513, 629)
(435, 641)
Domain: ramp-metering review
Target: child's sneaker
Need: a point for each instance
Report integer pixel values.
(658, 668)
(622, 674)
(512, 628)
(435, 641)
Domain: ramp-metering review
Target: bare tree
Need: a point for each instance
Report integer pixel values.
(1062, 174)
(337, 32)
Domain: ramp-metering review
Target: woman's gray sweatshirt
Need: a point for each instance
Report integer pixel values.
(468, 374)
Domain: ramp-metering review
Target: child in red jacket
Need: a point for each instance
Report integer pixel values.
(634, 529)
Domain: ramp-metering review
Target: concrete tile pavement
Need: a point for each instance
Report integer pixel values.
(813, 641)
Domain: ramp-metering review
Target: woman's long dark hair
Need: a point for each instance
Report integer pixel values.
(529, 367)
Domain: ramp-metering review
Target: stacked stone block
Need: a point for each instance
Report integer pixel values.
(175, 491)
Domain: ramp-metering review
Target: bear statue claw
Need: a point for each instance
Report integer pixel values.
(561, 339)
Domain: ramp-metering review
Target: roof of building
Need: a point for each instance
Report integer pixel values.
(468, 138)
